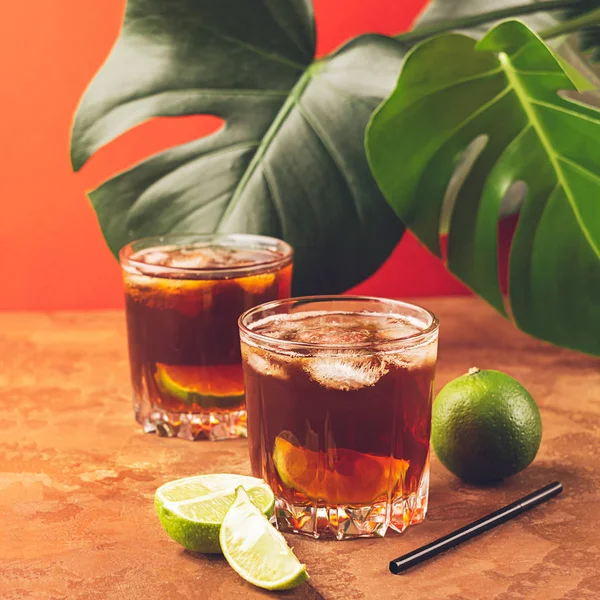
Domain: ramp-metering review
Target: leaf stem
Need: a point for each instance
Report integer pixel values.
(416, 35)
(580, 22)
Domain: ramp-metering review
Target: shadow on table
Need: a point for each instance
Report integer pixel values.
(303, 592)
(533, 477)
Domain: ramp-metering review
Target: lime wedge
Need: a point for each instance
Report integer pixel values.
(256, 550)
(191, 510)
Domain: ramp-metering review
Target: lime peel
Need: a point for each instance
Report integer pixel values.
(256, 550)
(167, 385)
(195, 521)
(485, 426)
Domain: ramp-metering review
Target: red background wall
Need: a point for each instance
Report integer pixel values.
(53, 253)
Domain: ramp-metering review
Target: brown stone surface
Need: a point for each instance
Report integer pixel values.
(77, 479)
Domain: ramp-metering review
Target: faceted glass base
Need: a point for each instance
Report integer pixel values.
(345, 522)
(213, 426)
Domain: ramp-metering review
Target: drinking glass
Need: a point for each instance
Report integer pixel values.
(184, 294)
(338, 394)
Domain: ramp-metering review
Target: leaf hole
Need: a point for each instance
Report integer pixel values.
(508, 216)
(586, 99)
(506, 231)
(513, 199)
(145, 140)
(466, 161)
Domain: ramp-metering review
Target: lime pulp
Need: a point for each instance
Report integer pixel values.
(191, 510)
(256, 550)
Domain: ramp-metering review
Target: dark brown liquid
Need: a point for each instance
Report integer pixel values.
(341, 430)
(183, 333)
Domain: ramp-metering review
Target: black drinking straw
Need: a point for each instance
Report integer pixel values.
(465, 533)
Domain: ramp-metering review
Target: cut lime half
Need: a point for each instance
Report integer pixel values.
(195, 385)
(191, 510)
(256, 550)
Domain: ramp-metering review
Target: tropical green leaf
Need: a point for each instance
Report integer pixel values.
(470, 120)
(289, 161)
(580, 53)
(438, 11)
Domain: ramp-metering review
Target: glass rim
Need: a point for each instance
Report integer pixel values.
(413, 339)
(245, 240)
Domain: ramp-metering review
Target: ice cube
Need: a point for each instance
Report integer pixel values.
(397, 331)
(211, 257)
(155, 257)
(416, 356)
(329, 335)
(266, 366)
(278, 327)
(345, 373)
(187, 261)
(135, 279)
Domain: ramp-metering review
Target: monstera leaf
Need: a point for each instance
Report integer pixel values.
(289, 161)
(438, 11)
(577, 65)
(445, 10)
(469, 121)
(583, 53)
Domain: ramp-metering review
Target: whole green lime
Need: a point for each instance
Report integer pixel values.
(486, 426)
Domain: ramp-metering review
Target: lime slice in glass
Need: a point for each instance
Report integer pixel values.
(191, 510)
(209, 387)
(256, 550)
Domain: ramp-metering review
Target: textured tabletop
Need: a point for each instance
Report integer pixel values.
(77, 478)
